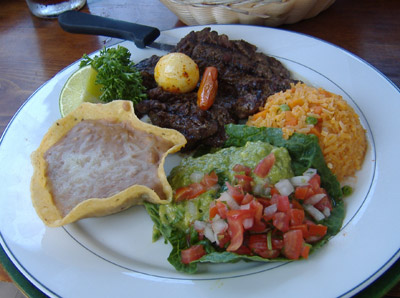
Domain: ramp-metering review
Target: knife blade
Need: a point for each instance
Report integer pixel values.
(84, 23)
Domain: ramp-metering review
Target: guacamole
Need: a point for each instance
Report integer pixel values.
(185, 213)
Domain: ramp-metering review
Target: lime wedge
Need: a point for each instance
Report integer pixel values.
(80, 87)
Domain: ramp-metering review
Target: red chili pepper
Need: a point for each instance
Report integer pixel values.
(208, 88)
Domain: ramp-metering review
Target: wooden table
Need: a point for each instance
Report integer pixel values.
(33, 50)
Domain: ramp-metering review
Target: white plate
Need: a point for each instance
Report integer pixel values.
(113, 256)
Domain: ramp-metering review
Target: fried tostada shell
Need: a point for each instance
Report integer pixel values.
(55, 188)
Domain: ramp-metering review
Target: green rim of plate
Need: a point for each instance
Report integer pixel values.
(383, 284)
(20, 281)
(377, 289)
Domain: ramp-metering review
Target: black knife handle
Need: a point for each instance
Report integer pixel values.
(84, 23)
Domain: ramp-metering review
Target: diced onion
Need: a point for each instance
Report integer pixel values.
(208, 233)
(300, 180)
(245, 207)
(258, 189)
(216, 217)
(199, 226)
(232, 204)
(219, 226)
(212, 204)
(267, 191)
(261, 190)
(216, 238)
(271, 209)
(314, 199)
(310, 172)
(314, 212)
(248, 223)
(284, 187)
(191, 208)
(196, 177)
(326, 212)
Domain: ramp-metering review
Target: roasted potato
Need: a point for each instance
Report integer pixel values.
(177, 73)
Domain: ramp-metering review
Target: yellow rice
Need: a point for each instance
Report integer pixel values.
(341, 136)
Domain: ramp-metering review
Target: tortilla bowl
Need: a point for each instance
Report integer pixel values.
(120, 115)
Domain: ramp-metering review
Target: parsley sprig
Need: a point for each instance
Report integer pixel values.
(117, 75)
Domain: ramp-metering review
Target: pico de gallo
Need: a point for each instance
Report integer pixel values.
(243, 203)
(270, 221)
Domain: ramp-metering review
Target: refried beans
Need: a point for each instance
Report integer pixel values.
(100, 158)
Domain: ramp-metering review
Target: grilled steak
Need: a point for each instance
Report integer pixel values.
(245, 80)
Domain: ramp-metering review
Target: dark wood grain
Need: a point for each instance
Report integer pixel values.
(33, 50)
(369, 29)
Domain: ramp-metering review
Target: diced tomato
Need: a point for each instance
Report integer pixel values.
(236, 231)
(277, 243)
(244, 182)
(303, 192)
(296, 205)
(293, 244)
(305, 251)
(235, 226)
(247, 199)
(258, 244)
(265, 165)
(282, 202)
(324, 203)
(317, 230)
(222, 209)
(268, 254)
(302, 227)
(213, 210)
(240, 214)
(308, 222)
(192, 253)
(243, 177)
(296, 216)
(236, 192)
(223, 239)
(315, 183)
(258, 227)
(195, 189)
(240, 177)
(209, 180)
(264, 202)
(258, 209)
(243, 250)
(189, 192)
(280, 220)
(258, 241)
(242, 168)
(274, 191)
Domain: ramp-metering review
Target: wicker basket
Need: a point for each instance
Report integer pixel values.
(256, 12)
